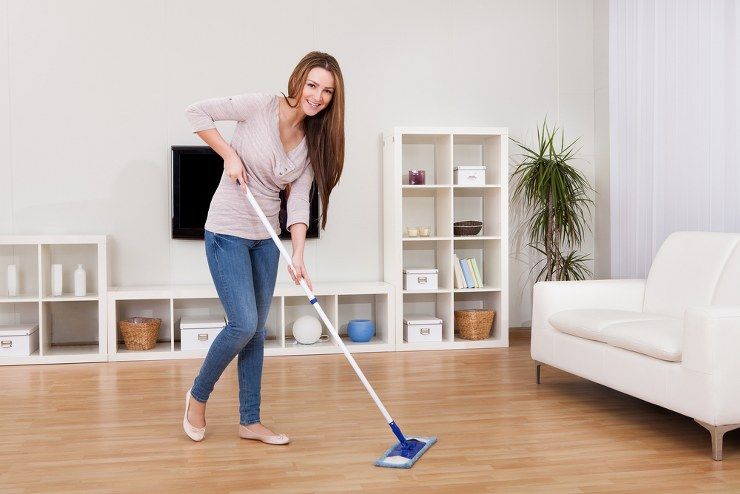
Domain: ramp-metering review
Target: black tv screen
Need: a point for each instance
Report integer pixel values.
(196, 173)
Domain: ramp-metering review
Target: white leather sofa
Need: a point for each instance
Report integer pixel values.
(672, 340)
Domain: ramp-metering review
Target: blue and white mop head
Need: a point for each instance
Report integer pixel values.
(404, 456)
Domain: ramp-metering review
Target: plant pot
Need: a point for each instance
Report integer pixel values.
(361, 330)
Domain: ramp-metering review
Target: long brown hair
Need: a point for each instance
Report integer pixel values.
(324, 131)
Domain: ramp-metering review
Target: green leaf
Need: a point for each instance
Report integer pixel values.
(556, 199)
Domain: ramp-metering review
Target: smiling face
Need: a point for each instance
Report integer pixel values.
(317, 91)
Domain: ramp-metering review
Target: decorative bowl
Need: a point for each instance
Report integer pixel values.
(465, 228)
(361, 330)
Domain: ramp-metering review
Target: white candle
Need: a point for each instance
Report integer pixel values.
(12, 280)
(56, 279)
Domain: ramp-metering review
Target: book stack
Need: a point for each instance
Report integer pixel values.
(467, 274)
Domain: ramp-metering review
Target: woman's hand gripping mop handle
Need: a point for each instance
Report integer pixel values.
(328, 323)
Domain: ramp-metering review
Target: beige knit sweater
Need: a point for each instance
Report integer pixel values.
(257, 141)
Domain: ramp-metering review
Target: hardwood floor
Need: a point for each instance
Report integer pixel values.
(116, 428)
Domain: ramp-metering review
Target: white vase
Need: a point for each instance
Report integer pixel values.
(307, 330)
(56, 280)
(12, 280)
(80, 281)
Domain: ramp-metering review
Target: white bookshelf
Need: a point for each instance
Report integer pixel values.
(438, 203)
(71, 329)
(340, 301)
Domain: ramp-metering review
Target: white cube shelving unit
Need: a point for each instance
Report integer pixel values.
(341, 302)
(71, 329)
(438, 203)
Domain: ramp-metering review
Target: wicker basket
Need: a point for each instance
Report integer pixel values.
(474, 324)
(140, 333)
(470, 227)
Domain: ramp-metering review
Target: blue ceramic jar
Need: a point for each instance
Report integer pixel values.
(361, 330)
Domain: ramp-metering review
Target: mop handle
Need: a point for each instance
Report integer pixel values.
(318, 308)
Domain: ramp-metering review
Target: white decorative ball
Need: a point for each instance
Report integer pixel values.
(307, 330)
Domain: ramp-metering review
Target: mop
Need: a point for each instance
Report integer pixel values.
(405, 452)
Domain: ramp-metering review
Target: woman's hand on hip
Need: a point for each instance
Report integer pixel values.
(235, 170)
(301, 272)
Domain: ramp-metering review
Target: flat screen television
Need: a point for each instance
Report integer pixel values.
(196, 173)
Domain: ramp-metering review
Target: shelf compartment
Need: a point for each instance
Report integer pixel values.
(438, 290)
(419, 189)
(69, 256)
(429, 304)
(424, 239)
(485, 288)
(431, 153)
(430, 254)
(160, 308)
(480, 300)
(190, 307)
(212, 307)
(20, 313)
(69, 328)
(26, 260)
(487, 254)
(70, 297)
(297, 306)
(72, 350)
(481, 204)
(476, 187)
(160, 347)
(373, 307)
(430, 207)
(483, 150)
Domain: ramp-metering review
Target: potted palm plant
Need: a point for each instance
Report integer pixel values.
(554, 197)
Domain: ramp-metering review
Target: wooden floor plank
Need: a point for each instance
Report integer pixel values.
(116, 428)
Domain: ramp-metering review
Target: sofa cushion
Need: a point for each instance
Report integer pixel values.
(590, 323)
(661, 339)
(686, 270)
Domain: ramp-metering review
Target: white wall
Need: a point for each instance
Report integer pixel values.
(570, 43)
(92, 96)
(602, 232)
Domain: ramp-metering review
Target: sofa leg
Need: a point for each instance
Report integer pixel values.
(718, 433)
(537, 367)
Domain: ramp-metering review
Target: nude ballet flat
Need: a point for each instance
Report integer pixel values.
(194, 433)
(245, 433)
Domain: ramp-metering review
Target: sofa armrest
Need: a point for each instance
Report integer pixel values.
(711, 340)
(710, 357)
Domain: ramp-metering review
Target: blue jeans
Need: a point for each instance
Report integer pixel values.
(244, 272)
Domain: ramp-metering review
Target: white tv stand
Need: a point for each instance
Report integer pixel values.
(85, 329)
(340, 301)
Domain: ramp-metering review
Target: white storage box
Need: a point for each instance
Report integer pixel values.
(420, 279)
(20, 339)
(422, 328)
(470, 175)
(198, 332)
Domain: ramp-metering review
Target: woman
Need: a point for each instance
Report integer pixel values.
(279, 141)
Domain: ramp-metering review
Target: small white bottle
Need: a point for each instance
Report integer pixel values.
(12, 280)
(56, 280)
(80, 281)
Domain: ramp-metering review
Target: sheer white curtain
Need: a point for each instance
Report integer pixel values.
(674, 89)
